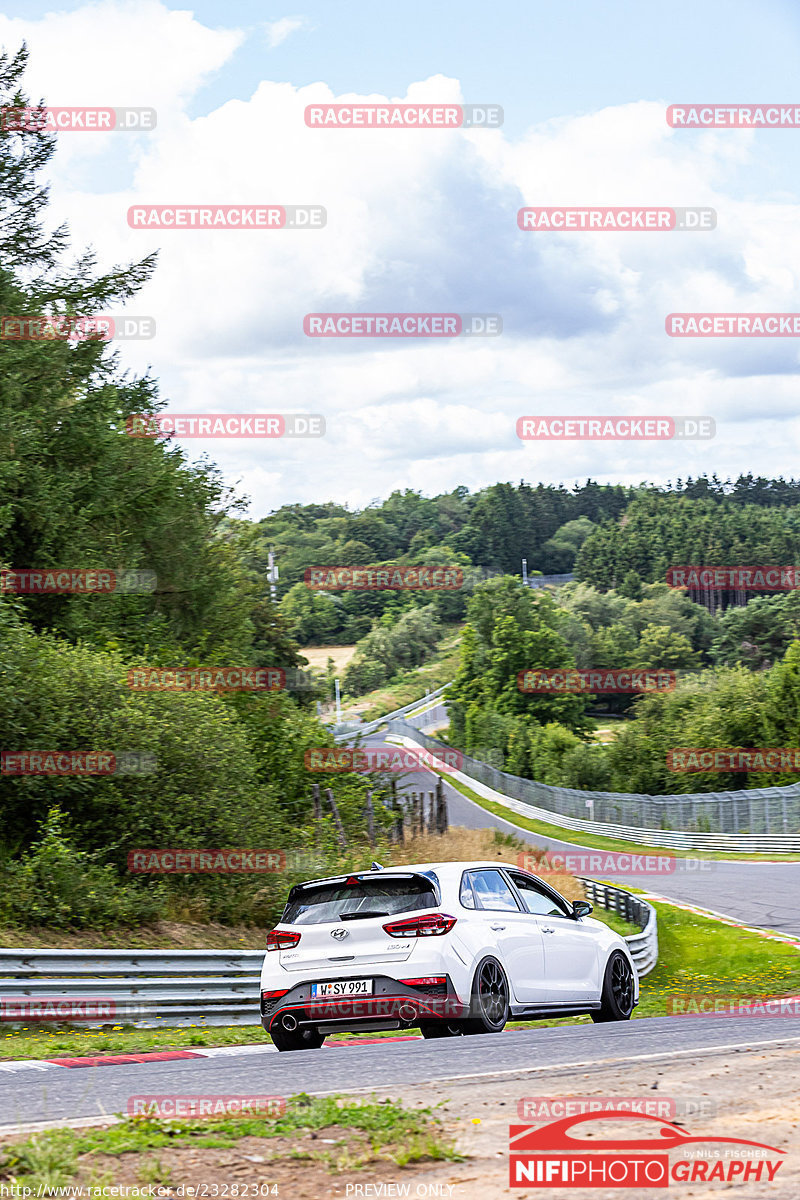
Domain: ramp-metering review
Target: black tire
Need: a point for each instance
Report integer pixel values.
(441, 1029)
(298, 1039)
(489, 1002)
(616, 998)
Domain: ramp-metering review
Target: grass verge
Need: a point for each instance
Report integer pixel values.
(289, 1148)
(41, 1042)
(697, 955)
(595, 841)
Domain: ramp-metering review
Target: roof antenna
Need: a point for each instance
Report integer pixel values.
(376, 867)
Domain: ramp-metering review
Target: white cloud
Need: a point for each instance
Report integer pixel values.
(424, 221)
(279, 31)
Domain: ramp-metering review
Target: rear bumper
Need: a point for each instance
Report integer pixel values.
(392, 1005)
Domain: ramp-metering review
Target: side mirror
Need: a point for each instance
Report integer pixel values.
(582, 908)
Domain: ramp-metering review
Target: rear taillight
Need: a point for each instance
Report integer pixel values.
(281, 939)
(274, 995)
(425, 981)
(425, 925)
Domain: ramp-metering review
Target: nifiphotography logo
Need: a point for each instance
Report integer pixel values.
(550, 1156)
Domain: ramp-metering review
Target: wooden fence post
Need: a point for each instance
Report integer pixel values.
(370, 819)
(441, 808)
(337, 819)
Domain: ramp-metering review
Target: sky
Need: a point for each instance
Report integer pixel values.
(426, 221)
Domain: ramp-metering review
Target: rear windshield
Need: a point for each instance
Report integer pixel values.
(370, 897)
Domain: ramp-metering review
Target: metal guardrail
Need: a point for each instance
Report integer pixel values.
(178, 988)
(537, 581)
(144, 988)
(643, 946)
(747, 821)
(357, 730)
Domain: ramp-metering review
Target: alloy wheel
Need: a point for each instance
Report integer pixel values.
(492, 992)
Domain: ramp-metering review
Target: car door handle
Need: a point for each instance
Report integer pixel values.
(498, 926)
(547, 929)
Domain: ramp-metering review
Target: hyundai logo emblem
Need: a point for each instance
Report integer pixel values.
(339, 934)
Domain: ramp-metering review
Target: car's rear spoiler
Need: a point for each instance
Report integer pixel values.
(357, 877)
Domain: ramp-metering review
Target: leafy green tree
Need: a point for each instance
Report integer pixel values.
(313, 618)
(782, 705)
(659, 646)
(75, 489)
(631, 586)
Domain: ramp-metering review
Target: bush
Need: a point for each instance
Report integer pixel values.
(391, 648)
(57, 885)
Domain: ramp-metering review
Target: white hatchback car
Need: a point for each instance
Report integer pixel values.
(451, 948)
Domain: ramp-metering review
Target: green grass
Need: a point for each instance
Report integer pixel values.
(39, 1042)
(615, 921)
(699, 955)
(389, 1132)
(595, 841)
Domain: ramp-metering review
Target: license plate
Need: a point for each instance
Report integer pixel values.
(342, 987)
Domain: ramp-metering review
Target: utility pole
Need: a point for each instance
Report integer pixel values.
(272, 575)
(338, 703)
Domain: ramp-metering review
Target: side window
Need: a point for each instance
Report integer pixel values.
(535, 899)
(465, 896)
(492, 891)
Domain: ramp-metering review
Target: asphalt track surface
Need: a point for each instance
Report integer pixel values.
(45, 1092)
(765, 895)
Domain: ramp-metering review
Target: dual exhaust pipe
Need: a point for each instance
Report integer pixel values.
(406, 1012)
